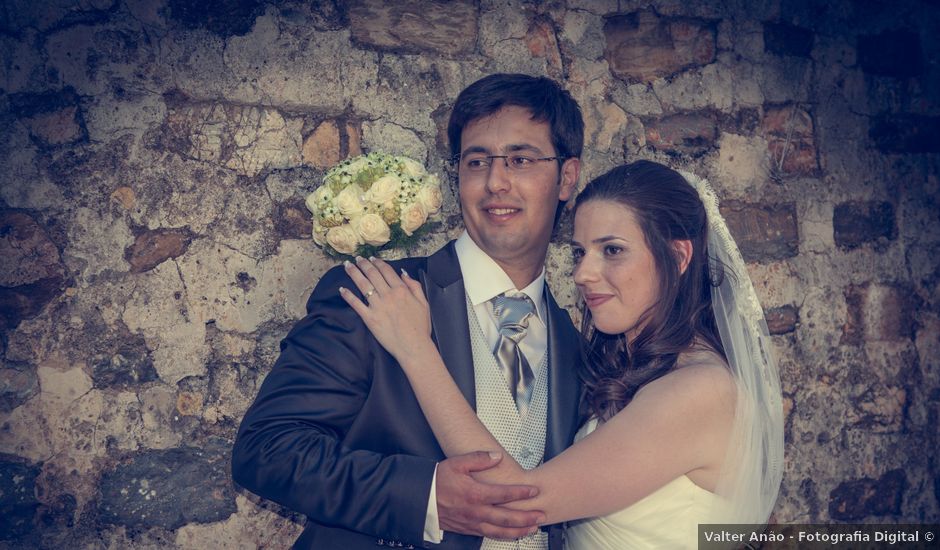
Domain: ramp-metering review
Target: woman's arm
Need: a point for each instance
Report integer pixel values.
(676, 425)
(399, 317)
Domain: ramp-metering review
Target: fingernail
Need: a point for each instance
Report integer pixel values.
(404, 273)
(346, 264)
(495, 454)
(371, 258)
(342, 290)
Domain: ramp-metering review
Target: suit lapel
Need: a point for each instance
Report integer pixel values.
(447, 298)
(444, 289)
(563, 383)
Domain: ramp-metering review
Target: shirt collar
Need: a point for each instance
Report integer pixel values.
(484, 279)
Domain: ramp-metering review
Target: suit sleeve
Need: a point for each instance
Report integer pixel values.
(289, 446)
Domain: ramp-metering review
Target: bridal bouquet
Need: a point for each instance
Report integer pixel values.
(373, 202)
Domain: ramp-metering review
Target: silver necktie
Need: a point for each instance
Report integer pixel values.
(513, 310)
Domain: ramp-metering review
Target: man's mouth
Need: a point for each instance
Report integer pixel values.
(501, 211)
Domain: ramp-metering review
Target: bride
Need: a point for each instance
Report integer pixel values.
(683, 399)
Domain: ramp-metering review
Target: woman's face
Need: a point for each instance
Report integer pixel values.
(614, 268)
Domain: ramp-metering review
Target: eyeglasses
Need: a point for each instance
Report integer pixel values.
(478, 164)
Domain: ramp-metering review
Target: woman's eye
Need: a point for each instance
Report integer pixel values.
(577, 254)
(611, 250)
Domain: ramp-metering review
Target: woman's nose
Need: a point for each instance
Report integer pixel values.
(585, 271)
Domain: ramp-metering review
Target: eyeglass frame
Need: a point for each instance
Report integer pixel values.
(455, 161)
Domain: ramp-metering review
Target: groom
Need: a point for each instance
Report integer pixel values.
(336, 432)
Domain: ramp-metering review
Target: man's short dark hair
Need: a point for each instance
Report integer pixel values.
(543, 97)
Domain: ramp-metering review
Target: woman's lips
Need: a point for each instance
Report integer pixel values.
(594, 300)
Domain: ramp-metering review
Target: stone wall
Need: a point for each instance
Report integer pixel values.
(155, 246)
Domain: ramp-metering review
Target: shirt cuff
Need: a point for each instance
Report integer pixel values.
(432, 526)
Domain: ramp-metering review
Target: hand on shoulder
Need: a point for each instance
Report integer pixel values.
(392, 306)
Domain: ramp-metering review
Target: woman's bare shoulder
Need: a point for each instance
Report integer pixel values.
(701, 376)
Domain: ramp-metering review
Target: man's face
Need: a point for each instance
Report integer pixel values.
(510, 213)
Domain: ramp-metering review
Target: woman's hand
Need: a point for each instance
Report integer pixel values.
(395, 309)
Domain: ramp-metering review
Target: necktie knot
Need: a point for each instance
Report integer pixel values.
(513, 310)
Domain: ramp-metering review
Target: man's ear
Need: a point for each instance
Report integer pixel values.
(570, 170)
(683, 249)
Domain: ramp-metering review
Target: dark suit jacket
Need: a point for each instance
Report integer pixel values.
(336, 432)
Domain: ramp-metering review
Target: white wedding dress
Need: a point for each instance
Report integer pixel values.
(668, 518)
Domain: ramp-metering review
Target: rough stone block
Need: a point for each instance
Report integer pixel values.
(331, 142)
(764, 233)
(17, 385)
(896, 53)
(189, 403)
(53, 118)
(743, 164)
(791, 140)
(542, 41)
(18, 503)
(881, 406)
(126, 364)
(169, 488)
(292, 220)
(858, 499)
(247, 139)
(855, 223)
(60, 127)
(683, 134)
(32, 273)
(879, 313)
(904, 133)
(223, 17)
(642, 46)
(151, 248)
(786, 39)
(28, 252)
(321, 147)
(449, 28)
(782, 320)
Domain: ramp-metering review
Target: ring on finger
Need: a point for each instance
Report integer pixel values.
(370, 292)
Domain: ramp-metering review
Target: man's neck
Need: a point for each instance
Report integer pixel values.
(521, 275)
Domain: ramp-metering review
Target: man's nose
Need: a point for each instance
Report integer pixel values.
(499, 176)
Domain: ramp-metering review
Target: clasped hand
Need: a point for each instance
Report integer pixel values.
(395, 309)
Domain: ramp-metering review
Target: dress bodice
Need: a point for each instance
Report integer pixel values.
(668, 518)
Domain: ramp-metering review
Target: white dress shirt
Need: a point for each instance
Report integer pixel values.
(483, 280)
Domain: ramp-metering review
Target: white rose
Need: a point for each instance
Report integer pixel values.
(319, 233)
(411, 167)
(343, 239)
(372, 229)
(356, 165)
(349, 201)
(430, 197)
(413, 217)
(384, 189)
(321, 196)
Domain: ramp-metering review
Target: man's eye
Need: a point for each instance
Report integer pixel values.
(476, 163)
(520, 161)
